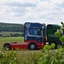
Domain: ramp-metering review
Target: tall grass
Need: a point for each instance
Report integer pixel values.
(28, 57)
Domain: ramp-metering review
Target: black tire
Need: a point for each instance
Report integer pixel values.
(7, 46)
(32, 46)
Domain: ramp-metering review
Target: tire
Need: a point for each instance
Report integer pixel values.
(32, 46)
(7, 46)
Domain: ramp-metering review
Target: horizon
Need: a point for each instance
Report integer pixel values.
(31, 22)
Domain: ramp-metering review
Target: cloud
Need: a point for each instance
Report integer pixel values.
(21, 11)
(14, 4)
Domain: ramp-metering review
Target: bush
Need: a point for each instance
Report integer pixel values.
(60, 33)
(8, 58)
(16, 35)
(21, 35)
(52, 56)
(62, 38)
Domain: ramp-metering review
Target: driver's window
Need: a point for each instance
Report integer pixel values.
(39, 32)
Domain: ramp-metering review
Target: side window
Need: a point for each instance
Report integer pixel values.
(54, 30)
(39, 32)
(35, 32)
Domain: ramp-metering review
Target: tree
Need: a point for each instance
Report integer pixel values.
(60, 33)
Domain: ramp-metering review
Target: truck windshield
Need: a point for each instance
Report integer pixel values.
(35, 32)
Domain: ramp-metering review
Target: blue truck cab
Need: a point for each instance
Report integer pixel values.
(34, 31)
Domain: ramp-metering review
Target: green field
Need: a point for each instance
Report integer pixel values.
(23, 55)
(5, 34)
(10, 39)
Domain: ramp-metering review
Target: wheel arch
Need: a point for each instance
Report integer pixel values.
(6, 44)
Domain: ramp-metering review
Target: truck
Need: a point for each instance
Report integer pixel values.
(36, 35)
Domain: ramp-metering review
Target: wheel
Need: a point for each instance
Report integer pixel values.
(7, 47)
(32, 46)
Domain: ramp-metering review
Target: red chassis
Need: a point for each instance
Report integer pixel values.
(29, 45)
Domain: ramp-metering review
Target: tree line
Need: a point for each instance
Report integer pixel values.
(7, 27)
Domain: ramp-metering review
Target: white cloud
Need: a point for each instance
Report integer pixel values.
(21, 11)
(3, 1)
(20, 1)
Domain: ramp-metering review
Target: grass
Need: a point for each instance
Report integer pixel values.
(10, 39)
(23, 56)
(28, 56)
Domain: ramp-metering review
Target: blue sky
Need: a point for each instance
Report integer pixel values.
(21, 11)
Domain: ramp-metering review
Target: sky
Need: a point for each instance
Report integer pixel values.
(42, 11)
